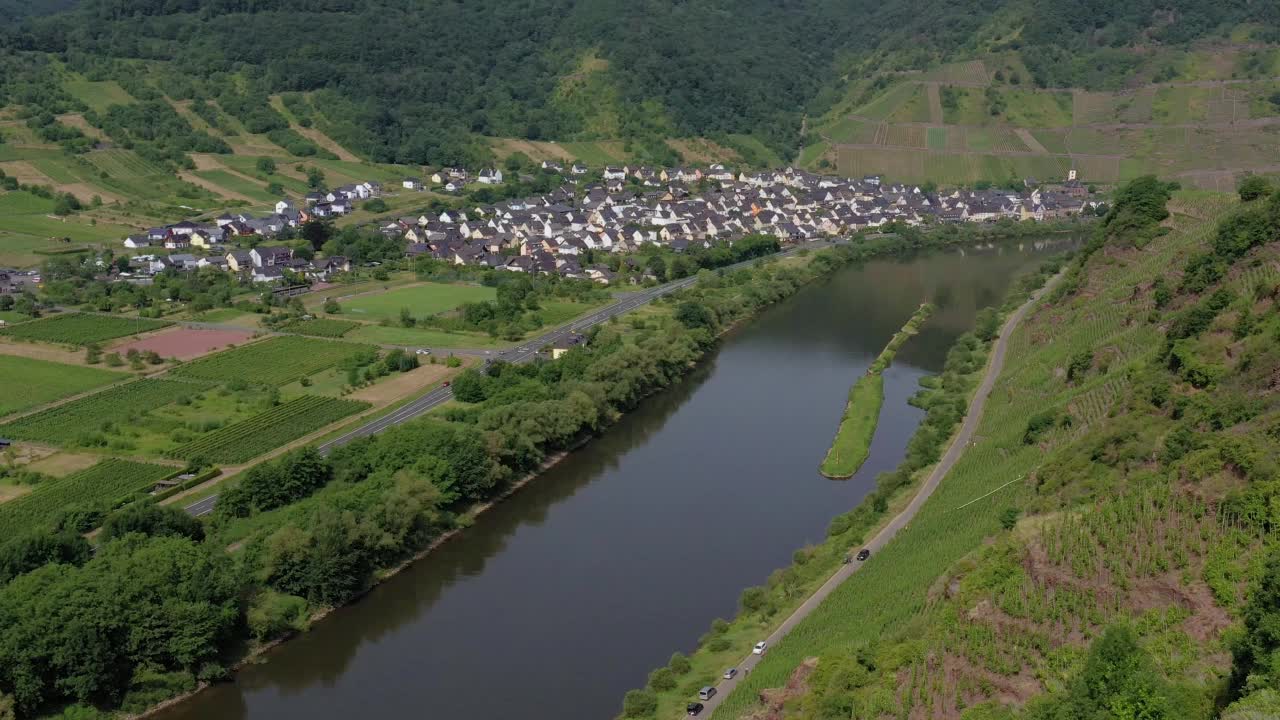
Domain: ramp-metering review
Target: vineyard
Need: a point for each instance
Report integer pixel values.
(29, 382)
(267, 431)
(76, 422)
(277, 361)
(891, 590)
(98, 488)
(321, 327)
(81, 328)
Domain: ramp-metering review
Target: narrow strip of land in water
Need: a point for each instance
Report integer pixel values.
(995, 364)
(853, 438)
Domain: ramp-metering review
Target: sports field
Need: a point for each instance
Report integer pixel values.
(424, 299)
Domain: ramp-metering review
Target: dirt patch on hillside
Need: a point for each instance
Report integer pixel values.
(703, 151)
(25, 172)
(536, 151)
(85, 192)
(775, 699)
(204, 161)
(61, 464)
(40, 352)
(326, 142)
(214, 188)
(1030, 141)
(77, 121)
(187, 343)
(403, 384)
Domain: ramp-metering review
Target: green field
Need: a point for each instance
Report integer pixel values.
(11, 317)
(425, 299)
(420, 337)
(269, 430)
(276, 361)
(81, 328)
(82, 421)
(595, 154)
(237, 184)
(29, 382)
(888, 102)
(321, 327)
(857, 428)
(99, 489)
(98, 95)
(28, 228)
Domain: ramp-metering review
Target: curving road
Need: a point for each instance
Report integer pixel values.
(523, 353)
(962, 439)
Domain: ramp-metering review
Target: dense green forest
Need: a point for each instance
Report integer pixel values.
(416, 81)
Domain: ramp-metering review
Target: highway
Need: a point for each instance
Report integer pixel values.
(524, 353)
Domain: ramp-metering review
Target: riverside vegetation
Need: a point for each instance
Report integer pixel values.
(945, 398)
(298, 535)
(861, 416)
(1106, 548)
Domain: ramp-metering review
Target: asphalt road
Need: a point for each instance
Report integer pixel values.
(967, 428)
(523, 353)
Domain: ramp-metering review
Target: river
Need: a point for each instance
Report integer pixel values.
(563, 597)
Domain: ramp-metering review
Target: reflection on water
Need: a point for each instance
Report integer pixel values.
(564, 596)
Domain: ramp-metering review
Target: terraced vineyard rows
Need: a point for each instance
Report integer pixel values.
(81, 328)
(321, 327)
(98, 488)
(276, 361)
(79, 419)
(267, 431)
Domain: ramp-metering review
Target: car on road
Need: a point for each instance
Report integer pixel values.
(423, 351)
(693, 708)
(731, 673)
(447, 383)
(706, 693)
(863, 554)
(759, 648)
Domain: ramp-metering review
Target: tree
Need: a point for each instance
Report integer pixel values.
(93, 353)
(469, 387)
(25, 553)
(266, 166)
(694, 315)
(639, 703)
(406, 318)
(317, 232)
(662, 679)
(332, 307)
(1254, 187)
(1117, 682)
(376, 205)
(1009, 518)
(679, 664)
(151, 519)
(315, 178)
(1256, 654)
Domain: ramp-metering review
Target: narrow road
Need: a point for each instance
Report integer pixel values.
(995, 363)
(524, 353)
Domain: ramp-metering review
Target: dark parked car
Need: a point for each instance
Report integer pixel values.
(694, 708)
(863, 554)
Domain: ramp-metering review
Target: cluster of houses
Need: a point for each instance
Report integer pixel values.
(564, 231)
(633, 207)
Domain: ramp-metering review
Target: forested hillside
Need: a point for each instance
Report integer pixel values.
(1106, 547)
(423, 81)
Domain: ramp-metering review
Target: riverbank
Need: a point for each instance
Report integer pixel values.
(763, 610)
(853, 438)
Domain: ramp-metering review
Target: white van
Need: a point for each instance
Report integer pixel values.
(706, 693)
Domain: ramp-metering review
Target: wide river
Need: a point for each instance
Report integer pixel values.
(563, 597)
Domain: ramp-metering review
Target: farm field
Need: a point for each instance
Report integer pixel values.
(11, 317)
(892, 589)
(28, 382)
(239, 185)
(424, 299)
(268, 430)
(81, 421)
(275, 361)
(420, 337)
(98, 95)
(321, 327)
(80, 328)
(96, 489)
(186, 343)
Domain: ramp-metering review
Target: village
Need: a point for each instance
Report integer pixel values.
(617, 210)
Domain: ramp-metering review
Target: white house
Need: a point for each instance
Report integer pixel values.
(490, 176)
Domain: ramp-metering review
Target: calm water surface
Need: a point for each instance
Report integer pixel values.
(562, 598)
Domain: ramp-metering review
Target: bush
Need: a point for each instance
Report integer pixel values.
(662, 679)
(679, 664)
(1254, 187)
(272, 614)
(639, 703)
